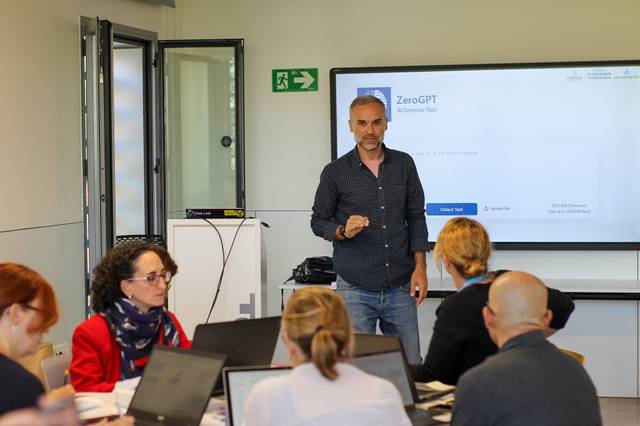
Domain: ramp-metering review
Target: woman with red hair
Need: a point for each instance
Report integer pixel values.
(28, 309)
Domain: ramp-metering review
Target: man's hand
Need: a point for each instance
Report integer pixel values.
(355, 224)
(419, 277)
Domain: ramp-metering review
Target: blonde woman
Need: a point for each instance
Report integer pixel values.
(460, 339)
(323, 388)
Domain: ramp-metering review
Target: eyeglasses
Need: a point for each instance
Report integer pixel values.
(33, 308)
(154, 279)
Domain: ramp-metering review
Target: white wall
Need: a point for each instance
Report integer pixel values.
(40, 147)
(288, 134)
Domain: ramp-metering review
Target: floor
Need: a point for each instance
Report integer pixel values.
(620, 411)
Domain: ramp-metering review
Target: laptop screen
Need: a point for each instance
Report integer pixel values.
(244, 341)
(176, 384)
(390, 366)
(367, 344)
(238, 384)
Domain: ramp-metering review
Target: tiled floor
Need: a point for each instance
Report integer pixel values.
(620, 411)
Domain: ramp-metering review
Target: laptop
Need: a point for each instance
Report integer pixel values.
(238, 382)
(244, 342)
(367, 344)
(391, 364)
(175, 387)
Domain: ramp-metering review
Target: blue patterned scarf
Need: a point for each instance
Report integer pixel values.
(137, 332)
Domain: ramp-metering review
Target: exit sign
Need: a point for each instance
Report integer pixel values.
(295, 80)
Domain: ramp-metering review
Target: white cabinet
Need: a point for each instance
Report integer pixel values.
(197, 246)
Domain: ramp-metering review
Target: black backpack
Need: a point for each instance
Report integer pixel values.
(315, 270)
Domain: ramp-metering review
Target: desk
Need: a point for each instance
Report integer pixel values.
(599, 289)
(97, 405)
(293, 286)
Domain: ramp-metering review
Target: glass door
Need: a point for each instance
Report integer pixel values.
(162, 131)
(130, 143)
(202, 89)
(122, 192)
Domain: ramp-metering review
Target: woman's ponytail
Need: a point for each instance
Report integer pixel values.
(324, 353)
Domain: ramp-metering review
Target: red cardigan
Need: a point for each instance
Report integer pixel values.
(95, 362)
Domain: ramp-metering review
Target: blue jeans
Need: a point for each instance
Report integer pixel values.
(394, 308)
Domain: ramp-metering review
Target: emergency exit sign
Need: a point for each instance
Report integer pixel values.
(295, 80)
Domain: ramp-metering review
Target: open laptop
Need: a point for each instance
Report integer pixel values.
(238, 382)
(390, 363)
(367, 344)
(175, 387)
(244, 342)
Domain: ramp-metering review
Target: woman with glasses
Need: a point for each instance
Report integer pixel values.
(128, 293)
(27, 310)
(460, 340)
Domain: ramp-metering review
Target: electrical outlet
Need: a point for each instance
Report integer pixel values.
(60, 348)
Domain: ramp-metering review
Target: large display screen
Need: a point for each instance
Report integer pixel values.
(543, 155)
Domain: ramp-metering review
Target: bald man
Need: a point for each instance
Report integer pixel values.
(529, 381)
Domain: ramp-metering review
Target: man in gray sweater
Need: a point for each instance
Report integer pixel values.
(529, 381)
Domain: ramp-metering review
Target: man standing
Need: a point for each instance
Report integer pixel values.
(529, 381)
(370, 204)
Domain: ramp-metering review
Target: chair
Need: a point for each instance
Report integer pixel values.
(151, 238)
(55, 370)
(575, 355)
(33, 363)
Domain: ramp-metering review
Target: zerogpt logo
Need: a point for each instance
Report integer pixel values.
(382, 93)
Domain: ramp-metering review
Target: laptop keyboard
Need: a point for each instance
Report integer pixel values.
(149, 422)
(420, 417)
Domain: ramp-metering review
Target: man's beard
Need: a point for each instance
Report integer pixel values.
(370, 145)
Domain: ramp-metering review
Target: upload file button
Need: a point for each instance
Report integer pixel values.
(452, 209)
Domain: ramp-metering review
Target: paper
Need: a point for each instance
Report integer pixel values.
(95, 405)
(445, 417)
(435, 386)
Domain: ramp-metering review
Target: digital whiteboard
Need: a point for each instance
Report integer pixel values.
(543, 155)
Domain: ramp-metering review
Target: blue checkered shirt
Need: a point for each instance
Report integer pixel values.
(381, 256)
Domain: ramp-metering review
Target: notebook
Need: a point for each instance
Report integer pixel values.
(238, 382)
(175, 387)
(244, 342)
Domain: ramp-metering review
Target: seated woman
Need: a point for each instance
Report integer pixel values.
(323, 388)
(129, 290)
(55, 412)
(460, 340)
(27, 310)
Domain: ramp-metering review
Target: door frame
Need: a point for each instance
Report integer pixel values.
(238, 46)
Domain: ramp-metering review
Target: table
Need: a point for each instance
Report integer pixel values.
(577, 289)
(293, 286)
(97, 405)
